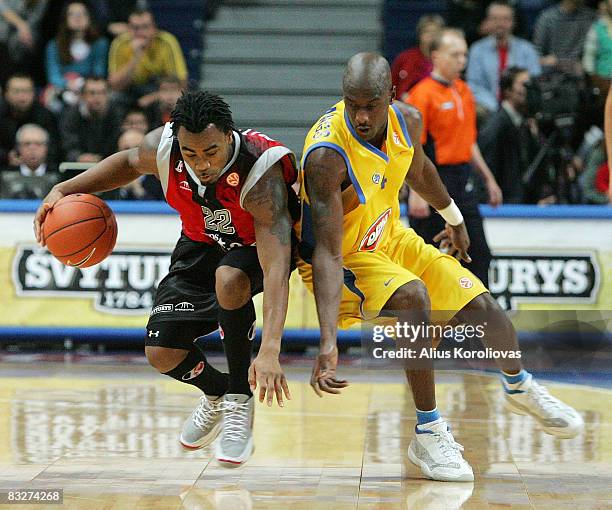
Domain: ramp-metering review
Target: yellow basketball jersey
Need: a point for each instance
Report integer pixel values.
(376, 176)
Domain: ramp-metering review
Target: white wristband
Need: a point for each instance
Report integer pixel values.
(451, 214)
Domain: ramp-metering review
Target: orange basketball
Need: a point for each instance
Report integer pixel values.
(80, 230)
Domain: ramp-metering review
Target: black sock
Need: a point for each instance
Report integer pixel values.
(196, 370)
(238, 327)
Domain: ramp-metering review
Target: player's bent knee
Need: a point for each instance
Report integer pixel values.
(233, 287)
(410, 296)
(483, 303)
(164, 359)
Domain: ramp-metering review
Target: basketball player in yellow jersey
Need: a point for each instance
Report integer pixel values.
(361, 261)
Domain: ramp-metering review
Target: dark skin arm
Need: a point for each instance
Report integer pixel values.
(267, 202)
(325, 172)
(424, 179)
(113, 172)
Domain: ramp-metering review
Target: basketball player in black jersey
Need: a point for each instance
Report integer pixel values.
(233, 192)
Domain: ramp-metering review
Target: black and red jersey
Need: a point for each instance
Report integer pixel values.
(214, 213)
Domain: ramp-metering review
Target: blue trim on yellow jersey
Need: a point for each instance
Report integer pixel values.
(349, 281)
(365, 144)
(402, 121)
(340, 151)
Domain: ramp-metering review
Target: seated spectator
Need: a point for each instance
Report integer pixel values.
(138, 58)
(135, 118)
(19, 108)
(594, 180)
(90, 129)
(77, 52)
(146, 187)
(597, 56)
(489, 57)
(507, 142)
(19, 34)
(32, 150)
(170, 88)
(560, 33)
(414, 64)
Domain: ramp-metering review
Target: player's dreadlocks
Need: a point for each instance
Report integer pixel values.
(195, 110)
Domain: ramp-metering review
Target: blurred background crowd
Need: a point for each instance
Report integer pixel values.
(81, 80)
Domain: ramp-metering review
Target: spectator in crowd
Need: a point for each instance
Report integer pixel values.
(128, 140)
(19, 34)
(135, 118)
(20, 108)
(138, 58)
(560, 33)
(170, 88)
(608, 136)
(90, 129)
(489, 57)
(32, 151)
(597, 56)
(148, 186)
(414, 64)
(594, 180)
(32, 147)
(508, 141)
(77, 52)
(449, 137)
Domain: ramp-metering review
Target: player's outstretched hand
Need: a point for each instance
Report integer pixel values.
(266, 372)
(455, 241)
(323, 377)
(47, 204)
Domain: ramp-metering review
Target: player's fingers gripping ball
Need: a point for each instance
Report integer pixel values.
(80, 230)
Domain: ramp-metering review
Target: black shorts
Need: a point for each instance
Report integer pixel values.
(185, 306)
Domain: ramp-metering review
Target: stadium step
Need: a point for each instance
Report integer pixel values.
(279, 63)
(297, 17)
(288, 47)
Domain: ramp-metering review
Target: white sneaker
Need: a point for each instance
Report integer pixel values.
(436, 452)
(236, 443)
(554, 416)
(204, 424)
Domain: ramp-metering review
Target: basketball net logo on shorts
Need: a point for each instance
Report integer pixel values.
(194, 372)
(185, 306)
(466, 283)
(375, 232)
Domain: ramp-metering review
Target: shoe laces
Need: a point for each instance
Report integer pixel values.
(448, 446)
(235, 421)
(205, 413)
(543, 400)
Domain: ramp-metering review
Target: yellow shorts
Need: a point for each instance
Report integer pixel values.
(371, 278)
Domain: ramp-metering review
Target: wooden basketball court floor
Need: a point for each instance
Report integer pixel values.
(107, 435)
